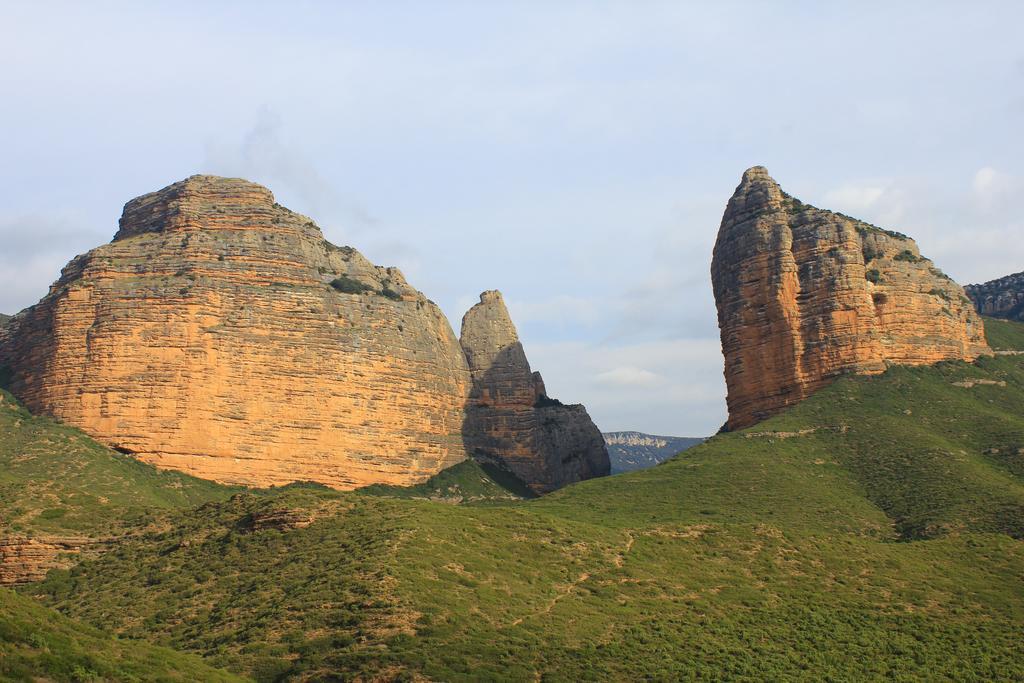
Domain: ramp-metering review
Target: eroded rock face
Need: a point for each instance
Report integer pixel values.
(1002, 298)
(24, 559)
(805, 294)
(207, 337)
(510, 419)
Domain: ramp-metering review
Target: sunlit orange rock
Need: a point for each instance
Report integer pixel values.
(805, 295)
(207, 337)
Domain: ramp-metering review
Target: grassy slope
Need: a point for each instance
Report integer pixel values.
(38, 644)
(54, 479)
(882, 544)
(466, 482)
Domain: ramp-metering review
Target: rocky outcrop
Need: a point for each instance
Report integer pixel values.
(221, 335)
(510, 420)
(24, 559)
(1002, 298)
(805, 295)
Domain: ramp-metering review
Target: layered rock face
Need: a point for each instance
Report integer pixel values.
(24, 559)
(1002, 298)
(510, 419)
(207, 337)
(805, 295)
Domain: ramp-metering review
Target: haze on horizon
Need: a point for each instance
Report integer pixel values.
(576, 156)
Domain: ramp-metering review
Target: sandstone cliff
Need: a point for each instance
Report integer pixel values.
(1002, 298)
(221, 335)
(510, 419)
(805, 294)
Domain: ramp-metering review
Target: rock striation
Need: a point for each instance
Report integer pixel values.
(220, 334)
(805, 295)
(510, 420)
(1002, 298)
(26, 559)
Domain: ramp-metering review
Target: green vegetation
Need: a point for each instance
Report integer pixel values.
(55, 479)
(390, 293)
(866, 228)
(38, 644)
(873, 275)
(872, 532)
(467, 481)
(347, 285)
(908, 256)
(1004, 335)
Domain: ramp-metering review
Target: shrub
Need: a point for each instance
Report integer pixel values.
(907, 255)
(873, 276)
(347, 285)
(390, 293)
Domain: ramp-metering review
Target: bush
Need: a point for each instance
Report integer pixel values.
(907, 255)
(873, 276)
(347, 285)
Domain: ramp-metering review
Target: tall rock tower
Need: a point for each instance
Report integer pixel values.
(805, 295)
(510, 420)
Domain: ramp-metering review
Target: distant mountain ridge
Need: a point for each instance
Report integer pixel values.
(999, 298)
(631, 451)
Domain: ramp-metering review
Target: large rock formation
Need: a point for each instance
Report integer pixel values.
(1002, 298)
(805, 294)
(221, 335)
(510, 419)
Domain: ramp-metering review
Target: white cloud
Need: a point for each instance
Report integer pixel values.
(561, 309)
(673, 387)
(628, 376)
(266, 155)
(34, 249)
(855, 197)
(993, 189)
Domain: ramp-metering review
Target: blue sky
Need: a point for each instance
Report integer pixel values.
(576, 156)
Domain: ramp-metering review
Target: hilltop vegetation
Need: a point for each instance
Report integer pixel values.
(55, 479)
(873, 531)
(466, 482)
(38, 644)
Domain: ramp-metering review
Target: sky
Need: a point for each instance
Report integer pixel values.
(576, 156)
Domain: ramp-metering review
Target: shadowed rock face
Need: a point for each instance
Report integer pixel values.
(1002, 298)
(510, 420)
(805, 294)
(207, 337)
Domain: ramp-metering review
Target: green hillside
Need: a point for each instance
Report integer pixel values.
(873, 532)
(465, 482)
(54, 479)
(37, 644)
